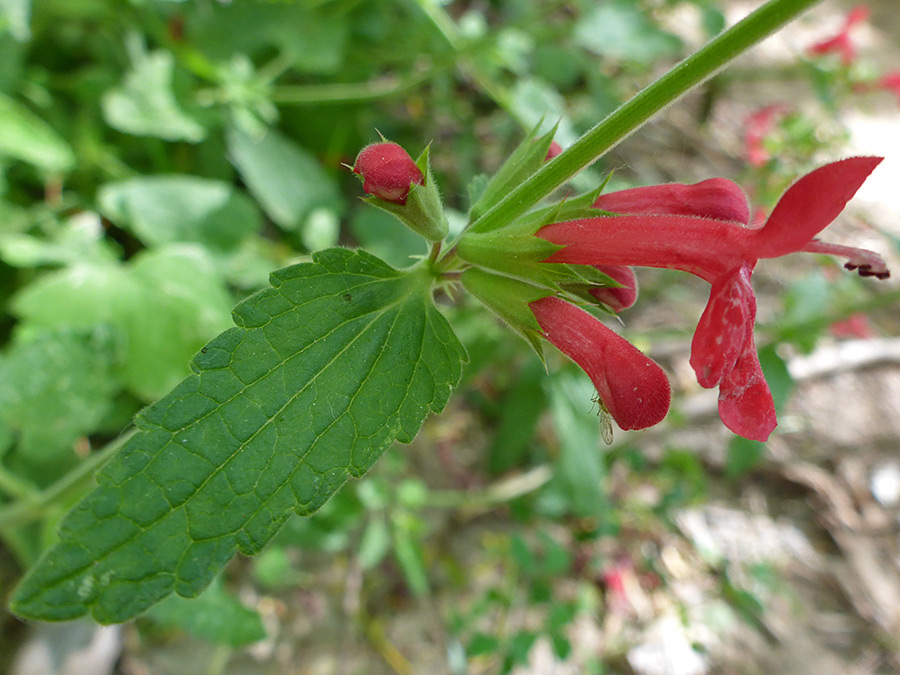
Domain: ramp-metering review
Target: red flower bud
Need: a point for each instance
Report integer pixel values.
(388, 172)
(554, 150)
(620, 297)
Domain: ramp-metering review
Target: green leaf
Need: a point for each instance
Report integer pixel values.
(167, 209)
(15, 16)
(481, 644)
(327, 368)
(527, 158)
(510, 300)
(536, 103)
(380, 233)
(579, 469)
(778, 377)
(25, 136)
(743, 455)
(374, 545)
(286, 180)
(522, 405)
(214, 615)
(55, 388)
(806, 300)
(80, 239)
(408, 552)
(621, 30)
(145, 104)
(166, 302)
(313, 38)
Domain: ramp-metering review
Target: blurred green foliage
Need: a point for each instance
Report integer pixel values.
(159, 158)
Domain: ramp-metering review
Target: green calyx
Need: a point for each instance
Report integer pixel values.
(509, 299)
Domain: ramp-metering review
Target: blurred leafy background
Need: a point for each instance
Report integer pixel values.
(158, 158)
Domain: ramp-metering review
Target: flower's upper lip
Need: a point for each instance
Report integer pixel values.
(709, 247)
(702, 246)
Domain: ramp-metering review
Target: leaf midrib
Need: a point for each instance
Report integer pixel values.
(380, 311)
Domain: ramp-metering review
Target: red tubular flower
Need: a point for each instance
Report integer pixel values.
(854, 326)
(757, 126)
(632, 386)
(717, 198)
(388, 171)
(621, 297)
(841, 43)
(891, 82)
(703, 229)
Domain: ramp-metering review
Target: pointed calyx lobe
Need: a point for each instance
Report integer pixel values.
(704, 229)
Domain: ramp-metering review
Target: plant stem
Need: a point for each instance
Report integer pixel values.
(353, 92)
(497, 493)
(16, 487)
(21, 512)
(630, 116)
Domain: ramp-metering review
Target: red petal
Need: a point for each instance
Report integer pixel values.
(622, 297)
(702, 246)
(745, 402)
(724, 327)
(810, 205)
(856, 15)
(633, 387)
(717, 198)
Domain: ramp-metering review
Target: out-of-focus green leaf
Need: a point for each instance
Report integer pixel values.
(167, 302)
(408, 552)
(25, 136)
(743, 455)
(321, 230)
(312, 37)
(712, 20)
(80, 239)
(621, 30)
(214, 615)
(537, 103)
(55, 388)
(777, 375)
(288, 183)
(385, 236)
(579, 472)
(145, 104)
(683, 476)
(805, 301)
(521, 408)
(482, 643)
(167, 209)
(374, 545)
(272, 568)
(15, 16)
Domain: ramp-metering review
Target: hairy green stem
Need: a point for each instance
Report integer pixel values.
(630, 116)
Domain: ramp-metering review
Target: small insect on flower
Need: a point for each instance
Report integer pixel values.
(606, 426)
